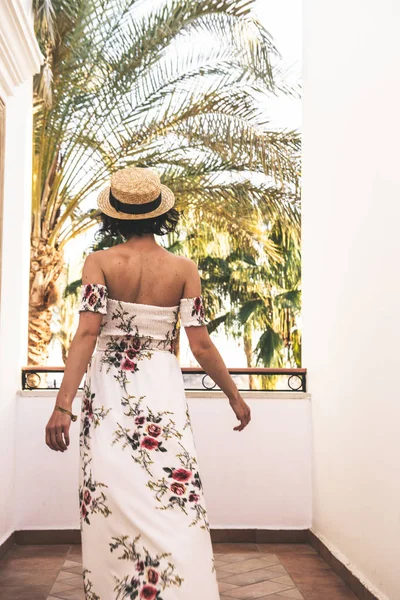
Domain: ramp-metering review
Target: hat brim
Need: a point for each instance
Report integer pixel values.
(167, 201)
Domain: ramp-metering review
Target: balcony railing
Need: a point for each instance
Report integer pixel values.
(195, 379)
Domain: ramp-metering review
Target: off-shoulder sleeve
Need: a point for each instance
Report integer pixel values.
(94, 298)
(192, 311)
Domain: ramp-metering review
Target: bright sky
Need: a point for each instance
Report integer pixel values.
(282, 18)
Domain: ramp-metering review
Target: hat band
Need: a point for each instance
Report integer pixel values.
(134, 209)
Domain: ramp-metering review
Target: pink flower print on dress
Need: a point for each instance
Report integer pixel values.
(129, 365)
(149, 443)
(93, 298)
(178, 489)
(152, 575)
(154, 430)
(140, 565)
(181, 474)
(148, 592)
(198, 306)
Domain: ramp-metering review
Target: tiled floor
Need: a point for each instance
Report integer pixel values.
(244, 571)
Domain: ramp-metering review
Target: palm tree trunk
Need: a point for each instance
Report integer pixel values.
(46, 266)
(248, 350)
(39, 335)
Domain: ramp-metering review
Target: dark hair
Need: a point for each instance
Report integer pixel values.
(126, 228)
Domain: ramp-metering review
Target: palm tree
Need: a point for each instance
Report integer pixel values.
(175, 89)
(247, 293)
(68, 314)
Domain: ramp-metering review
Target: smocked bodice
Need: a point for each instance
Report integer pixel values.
(127, 317)
(143, 322)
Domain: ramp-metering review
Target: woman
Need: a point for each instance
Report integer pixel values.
(144, 526)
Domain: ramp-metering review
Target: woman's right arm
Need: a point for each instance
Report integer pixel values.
(207, 355)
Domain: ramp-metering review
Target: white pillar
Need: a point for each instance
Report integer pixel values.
(19, 59)
(351, 283)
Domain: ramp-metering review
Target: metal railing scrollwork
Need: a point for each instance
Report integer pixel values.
(195, 378)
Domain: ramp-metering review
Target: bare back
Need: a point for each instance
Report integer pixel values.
(143, 272)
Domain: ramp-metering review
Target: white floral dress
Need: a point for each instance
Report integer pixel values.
(145, 533)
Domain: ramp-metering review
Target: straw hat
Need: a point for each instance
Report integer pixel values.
(135, 193)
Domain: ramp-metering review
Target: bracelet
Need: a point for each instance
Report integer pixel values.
(64, 410)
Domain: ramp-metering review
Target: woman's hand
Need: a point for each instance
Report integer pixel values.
(241, 410)
(58, 425)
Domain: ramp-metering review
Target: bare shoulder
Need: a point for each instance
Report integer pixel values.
(187, 264)
(92, 271)
(95, 259)
(191, 277)
(187, 268)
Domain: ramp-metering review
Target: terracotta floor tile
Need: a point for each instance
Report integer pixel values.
(278, 568)
(322, 578)
(74, 558)
(231, 547)
(245, 571)
(269, 597)
(224, 587)
(74, 580)
(267, 559)
(294, 594)
(66, 576)
(77, 570)
(17, 592)
(41, 549)
(310, 566)
(221, 575)
(243, 566)
(257, 590)
(285, 580)
(254, 576)
(327, 592)
(283, 548)
(73, 594)
(30, 569)
(232, 557)
(58, 587)
(75, 549)
(71, 563)
(28, 575)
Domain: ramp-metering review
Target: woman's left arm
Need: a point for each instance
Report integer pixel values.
(79, 355)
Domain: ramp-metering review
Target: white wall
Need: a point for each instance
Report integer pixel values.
(14, 284)
(19, 60)
(351, 248)
(258, 478)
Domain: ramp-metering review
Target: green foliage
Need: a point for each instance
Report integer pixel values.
(176, 89)
(260, 293)
(72, 288)
(124, 86)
